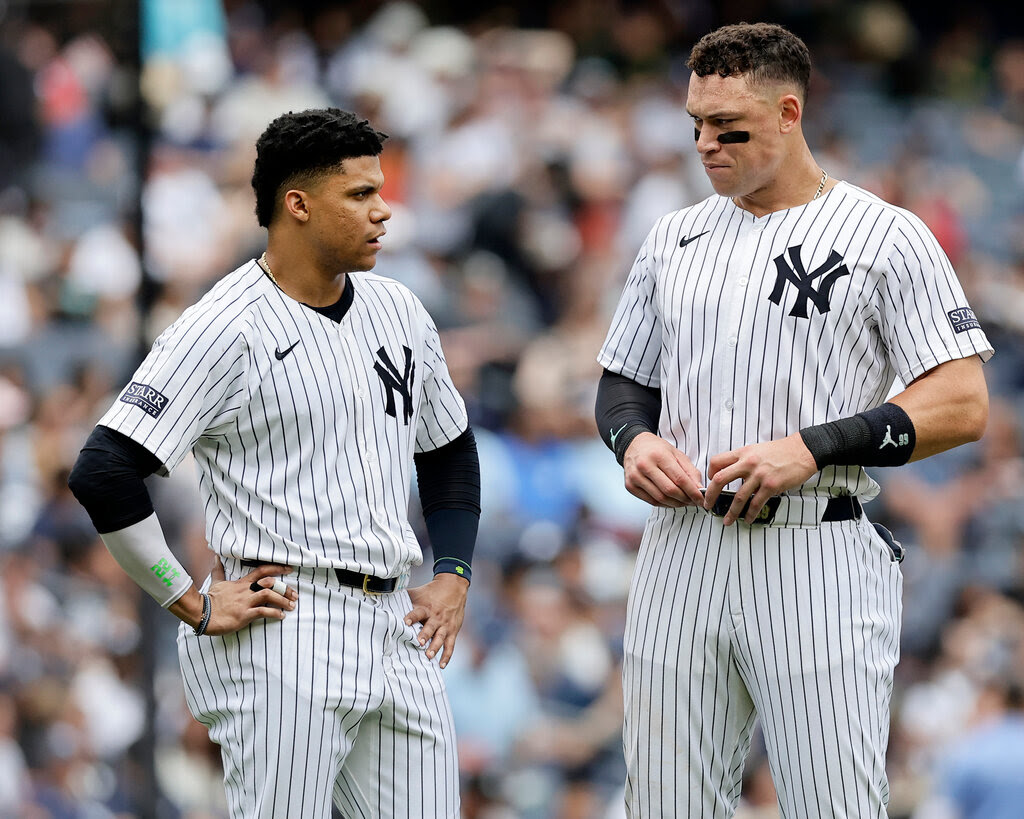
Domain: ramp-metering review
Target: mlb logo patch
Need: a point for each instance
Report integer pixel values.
(145, 398)
(963, 319)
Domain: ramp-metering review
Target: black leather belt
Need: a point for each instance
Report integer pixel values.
(844, 507)
(367, 582)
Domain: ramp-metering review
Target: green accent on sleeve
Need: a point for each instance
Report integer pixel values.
(165, 572)
(615, 434)
(454, 560)
(452, 565)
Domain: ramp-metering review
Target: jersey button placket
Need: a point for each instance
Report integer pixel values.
(366, 451)
(355, 354)
(734, 293)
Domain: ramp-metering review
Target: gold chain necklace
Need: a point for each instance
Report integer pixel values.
(817, 193)
(266, 265)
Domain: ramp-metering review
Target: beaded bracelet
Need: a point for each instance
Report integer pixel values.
(200, 630)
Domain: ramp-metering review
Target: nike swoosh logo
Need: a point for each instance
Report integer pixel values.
(615, 434)
(280, 354)
(685, 241)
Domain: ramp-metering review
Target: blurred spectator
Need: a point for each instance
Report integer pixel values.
(19, 129)
(982, 776)
(496, 698)
(15, 783)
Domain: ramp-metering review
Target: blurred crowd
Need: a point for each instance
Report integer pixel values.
(529, 153)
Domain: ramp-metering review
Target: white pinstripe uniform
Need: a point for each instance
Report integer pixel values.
(304, 429)
(754, 328)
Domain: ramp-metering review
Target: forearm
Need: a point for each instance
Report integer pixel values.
(452, 535)
(948, 405)
(449, 484)
(143, 553)
(944, 408)
(108, 480)
(624, 410)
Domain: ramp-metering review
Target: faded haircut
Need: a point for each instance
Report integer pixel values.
(765, 53)
(297, 149)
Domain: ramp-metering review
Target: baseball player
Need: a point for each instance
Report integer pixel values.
(746, 371)
(306, 388)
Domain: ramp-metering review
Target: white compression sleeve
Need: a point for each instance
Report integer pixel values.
(142, 552)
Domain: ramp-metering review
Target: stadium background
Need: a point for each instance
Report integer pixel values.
(530, 152)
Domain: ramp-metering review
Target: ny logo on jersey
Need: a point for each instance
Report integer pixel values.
(831, 270)
(394, 381)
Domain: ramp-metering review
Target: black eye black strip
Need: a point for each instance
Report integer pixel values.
(728, 138)
(733, 137)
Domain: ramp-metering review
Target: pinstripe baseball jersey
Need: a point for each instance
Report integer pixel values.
(755, 327)
(303, 428)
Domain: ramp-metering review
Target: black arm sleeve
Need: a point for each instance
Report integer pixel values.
(108, 477)
(625, 409)
(449, 482)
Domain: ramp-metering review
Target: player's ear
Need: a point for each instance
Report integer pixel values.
(790, 111)
(296, 204)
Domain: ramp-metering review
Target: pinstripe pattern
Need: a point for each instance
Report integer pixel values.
(301, 716)
(696, 322)
(799, 626)
(305, 454)
(796, 623)
(298, 462)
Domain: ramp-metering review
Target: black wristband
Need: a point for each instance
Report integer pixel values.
(884, 436)
(200, 630)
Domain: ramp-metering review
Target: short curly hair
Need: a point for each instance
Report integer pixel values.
(764, 52)
(296, 149)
